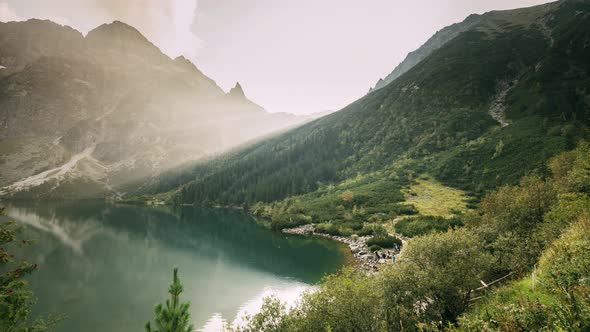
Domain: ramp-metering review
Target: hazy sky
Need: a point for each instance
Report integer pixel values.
(298, 56)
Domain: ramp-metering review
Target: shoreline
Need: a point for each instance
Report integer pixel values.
(358, 252)
(364, 259)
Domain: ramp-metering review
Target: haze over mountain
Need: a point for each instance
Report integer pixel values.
(481, 110)
(299, 56)
(84, 116)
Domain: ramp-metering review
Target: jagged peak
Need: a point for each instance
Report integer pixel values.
(237, 95)
(237, 91)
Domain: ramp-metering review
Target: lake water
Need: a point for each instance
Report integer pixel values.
(106, 266)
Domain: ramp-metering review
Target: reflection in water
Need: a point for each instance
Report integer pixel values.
(105, 266)
(71, 235)
(288, 295)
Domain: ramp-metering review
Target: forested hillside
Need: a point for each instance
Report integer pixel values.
(520, 263)
(488, 107)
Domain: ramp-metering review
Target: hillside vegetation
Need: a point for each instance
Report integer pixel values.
(485, 109)
(500, 113)
(527, 245)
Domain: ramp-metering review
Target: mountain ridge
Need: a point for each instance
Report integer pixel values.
(446, 34)
(435, 42)
(436, 117)
(115, 94)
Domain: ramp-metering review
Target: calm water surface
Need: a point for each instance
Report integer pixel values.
(106, 266)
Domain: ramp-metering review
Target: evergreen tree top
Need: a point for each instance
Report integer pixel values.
(174, 316)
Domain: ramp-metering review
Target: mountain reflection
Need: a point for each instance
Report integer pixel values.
(105, 266)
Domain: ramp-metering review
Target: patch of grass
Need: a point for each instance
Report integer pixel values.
(432, 198)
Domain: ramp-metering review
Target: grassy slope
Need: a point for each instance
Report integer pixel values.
(432, 198)
(432, 119)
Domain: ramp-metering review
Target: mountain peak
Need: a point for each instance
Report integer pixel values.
(183, 60)
(125, 39)
(118, 29)
(237, 91)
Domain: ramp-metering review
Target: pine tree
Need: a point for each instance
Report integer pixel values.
(174, 316)
(16, 299)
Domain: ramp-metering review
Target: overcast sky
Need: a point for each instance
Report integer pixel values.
(298, 56)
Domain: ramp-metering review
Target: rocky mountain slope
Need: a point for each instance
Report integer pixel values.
(87, 116)
(489, 106)
(434, 43)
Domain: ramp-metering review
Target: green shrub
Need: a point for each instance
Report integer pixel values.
(438, 270)
(333, 229)
(472, 202)
(16, 299)
(510, 219)
(564, 270)
(384, 241)
(324, 228)
(520, 314)
(370, 229)
(559, 302)
(374, 248)
(345, 232)
(422, 225)
(348, 301)
(355, 226)
(405, 209)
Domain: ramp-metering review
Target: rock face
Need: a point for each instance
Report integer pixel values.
(112, 93)
(237, 92)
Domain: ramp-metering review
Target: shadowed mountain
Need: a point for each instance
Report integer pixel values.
(85, 116)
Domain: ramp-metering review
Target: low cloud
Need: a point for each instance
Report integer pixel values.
(167, 23)
(7, 14)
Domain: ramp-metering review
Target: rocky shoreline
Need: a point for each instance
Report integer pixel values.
(364, 258)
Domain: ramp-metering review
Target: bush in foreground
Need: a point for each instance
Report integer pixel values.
(16, 300)
(422, 225)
